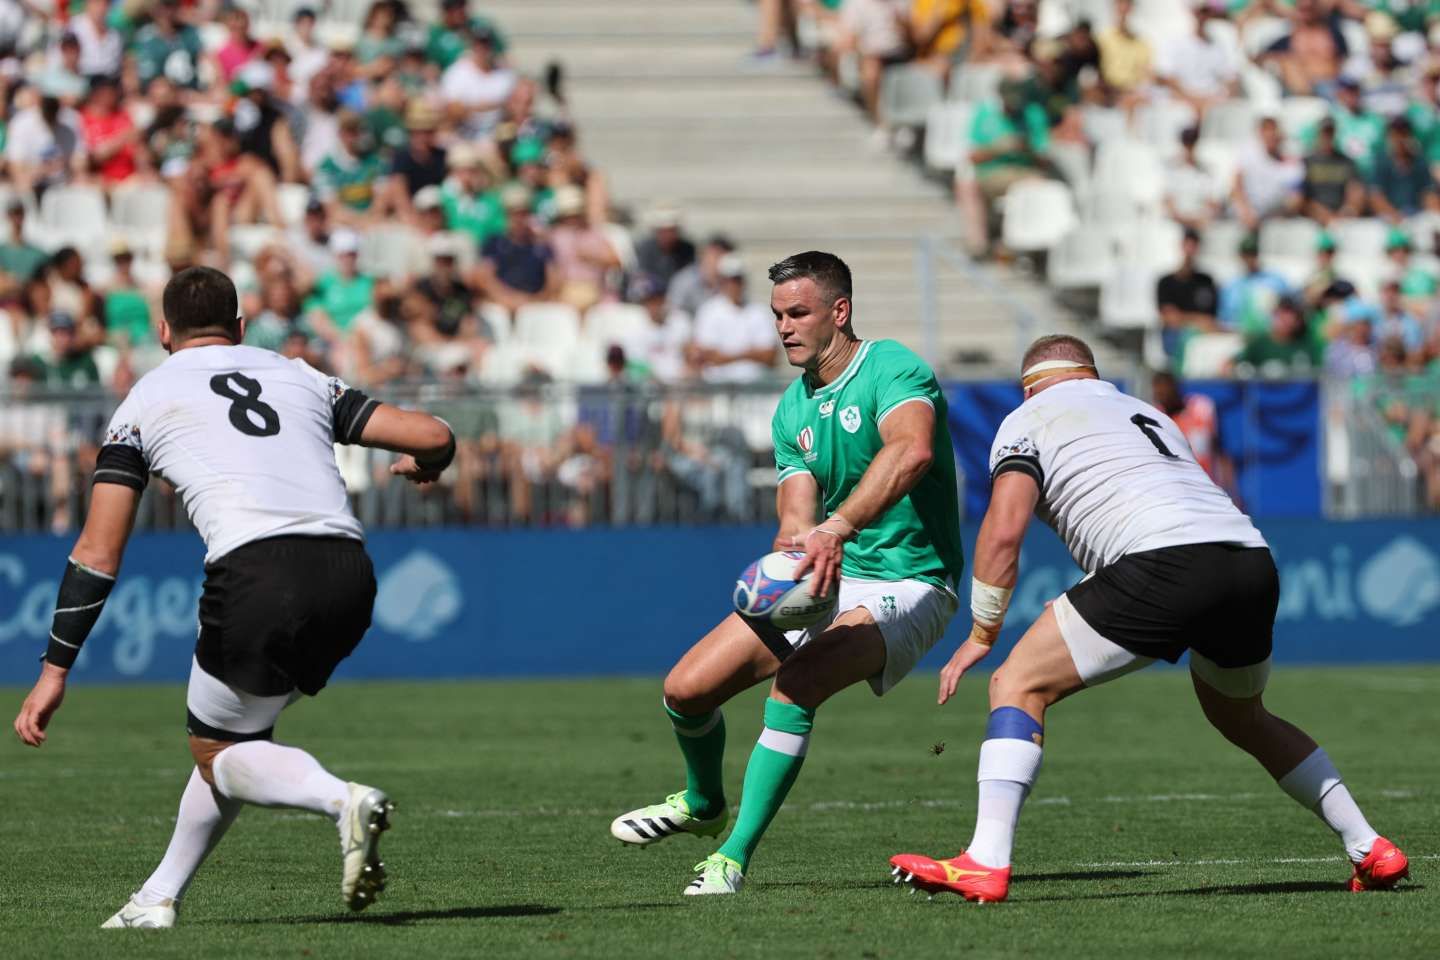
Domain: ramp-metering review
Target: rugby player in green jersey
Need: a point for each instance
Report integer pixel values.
(861, 443)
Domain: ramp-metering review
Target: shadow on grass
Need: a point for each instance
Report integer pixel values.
(1081, 875)
(1225, 890)
(403, 918)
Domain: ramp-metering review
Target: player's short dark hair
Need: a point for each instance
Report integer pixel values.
(201, 302)
(828, 271)
(1058, 346)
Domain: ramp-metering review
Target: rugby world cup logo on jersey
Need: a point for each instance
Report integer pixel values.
(850, 418)
(805, 440)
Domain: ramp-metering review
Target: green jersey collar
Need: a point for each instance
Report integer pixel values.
(852, 368)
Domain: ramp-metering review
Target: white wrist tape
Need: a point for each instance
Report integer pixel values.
(837, 526)
(988, 603)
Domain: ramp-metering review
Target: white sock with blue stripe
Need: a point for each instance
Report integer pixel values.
(1009, 764)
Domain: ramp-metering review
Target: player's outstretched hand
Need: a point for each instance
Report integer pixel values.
(407, 467)
(40, 705)
(823, 553)
(969, 654)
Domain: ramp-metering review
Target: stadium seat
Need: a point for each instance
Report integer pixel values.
(947, 137)
(1360, 236)
(1233, 120)
(497, 318)
(1209, 354)
(1114, 210)
(1127, 300)
(74, 215)
(975, 82)
(1037, 214)
(248, 239)
(503, 364)
(541, 324)
(608, 323)
(1083, 259)
(1103, 123)
(293, 198)
(847, 71)
(1261, 32)
(1160, 124)
(907, 93)
(1159, 20)
(1072, 160)
(622, 243)
(1368, 273)
(1264, 91)
(584, 362)
(1220, 158)
(141, 215)
(1152, 244)
(1132, 166)
(1297, 114)
(1422, 229)
(1288, 248)
(392, 251)
(1227, 35)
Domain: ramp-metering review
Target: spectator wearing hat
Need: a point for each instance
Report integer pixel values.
(1403, 184)
(19, 259)
(341, 294)
(429, 216)
(43, 144)
(1288, 345)
(1187, 300)
(1325, 276)
(420, 163)
(1308, 59)
(346, 181)
(1417, 284)
(71, 362)
(665, 251)
(1193, 195)
(124, 306)
(1267, 181)
(166, 47)
(582, 254)
(1333, 185)
(660, 348)
(517, 267)
(1247, 301)
(475, 87)
(1196, 68)
(700, 281)
(735, 339)
(470, 202)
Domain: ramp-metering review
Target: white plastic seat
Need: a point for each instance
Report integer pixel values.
(248, 239)
(1422, 229)
(1296, 268)
(1289, 237)
(1072, 160)
(497, 318)
(503, 364)
(293, 198)
(1209, 354)
(1221, 159)
(540, 324)
(1103, 123)
(1233, 120)
(1298, 114)
(74, 215)
(622, 243)
(1360, 236)
(1127, 300)
(1153, 244)
(392, 251)
(947, 136)
(1264, 91)
(1084, 258)
(1368, 273)
(608, 323)
(847, 71)
(1261, 32)
(1037, 214)
(907, 93)
(1160, 123)
(975, 82)
(141, 214)
(1132, 166)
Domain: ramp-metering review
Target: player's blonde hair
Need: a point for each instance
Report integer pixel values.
(1058, 346)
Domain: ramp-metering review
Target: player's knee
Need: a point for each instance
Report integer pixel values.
(799, 687)
(205, 751)
(1238, 721)
(686, 694)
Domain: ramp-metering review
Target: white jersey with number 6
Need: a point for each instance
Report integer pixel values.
(1116, 475)
(247, 439)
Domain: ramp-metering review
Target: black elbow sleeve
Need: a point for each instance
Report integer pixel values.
(82, 597)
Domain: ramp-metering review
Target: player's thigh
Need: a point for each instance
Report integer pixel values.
(1039, 671)
(728, 659)
(218, 715)
(851, 649)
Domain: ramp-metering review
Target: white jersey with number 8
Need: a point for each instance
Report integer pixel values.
(1116, 475)
(247, 438)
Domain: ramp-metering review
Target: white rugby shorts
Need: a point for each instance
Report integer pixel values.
(911, 614)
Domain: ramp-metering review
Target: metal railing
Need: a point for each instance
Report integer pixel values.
(542, 455)
(1369, 471)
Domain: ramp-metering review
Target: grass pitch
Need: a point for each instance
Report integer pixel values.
(1147, 835)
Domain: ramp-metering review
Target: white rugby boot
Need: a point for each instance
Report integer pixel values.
(718, 874)
(660, 820)
(134, 916)
(365, 817)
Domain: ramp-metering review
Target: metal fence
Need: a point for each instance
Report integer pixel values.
(1369, 470)
(542, 455)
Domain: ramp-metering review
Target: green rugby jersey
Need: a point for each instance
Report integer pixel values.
(833, 432)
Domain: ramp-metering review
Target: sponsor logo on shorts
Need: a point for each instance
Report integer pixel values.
(850, 419)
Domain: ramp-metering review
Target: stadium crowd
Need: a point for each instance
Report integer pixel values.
(1252, 183)
(397, 204)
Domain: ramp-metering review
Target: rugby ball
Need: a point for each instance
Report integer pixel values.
(768, 591)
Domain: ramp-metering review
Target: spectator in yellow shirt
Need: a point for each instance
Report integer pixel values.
(939, 28)
(1126, 59)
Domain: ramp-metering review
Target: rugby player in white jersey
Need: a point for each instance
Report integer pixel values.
(247, 439)
(1170, 565)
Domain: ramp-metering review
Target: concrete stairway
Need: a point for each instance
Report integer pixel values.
(667, 107)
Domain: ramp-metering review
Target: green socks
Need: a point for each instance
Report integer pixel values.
(702, 741)
(773, 767)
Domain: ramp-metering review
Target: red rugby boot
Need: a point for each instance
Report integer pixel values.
(1383, 867)
(959, 875)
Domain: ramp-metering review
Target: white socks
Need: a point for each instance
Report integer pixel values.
(203, 819)
(1007, 770)
(269, 775)
(1315, 784)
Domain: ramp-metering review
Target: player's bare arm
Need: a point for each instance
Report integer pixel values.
(88, 577)
(426, 442)
(908, 434)
(997, 568)
(797, 501)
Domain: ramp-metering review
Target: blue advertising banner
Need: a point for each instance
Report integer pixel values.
(1270, 430)
(463, 603)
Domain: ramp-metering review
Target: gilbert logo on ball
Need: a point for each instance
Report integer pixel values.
(767, 590)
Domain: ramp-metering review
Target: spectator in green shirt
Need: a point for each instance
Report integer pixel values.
(449, 40)
(124, 307)
(1290, 346)
(18, 258)
(1359, 133)
(1007, 140)
(346, 180)
(71, 365)
(165, 47)
(340, 295)
(1417, 285)
(467, 197)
